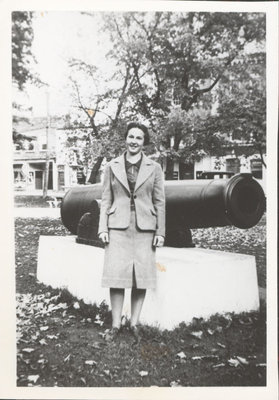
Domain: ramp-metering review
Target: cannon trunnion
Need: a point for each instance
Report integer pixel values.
(238, 201)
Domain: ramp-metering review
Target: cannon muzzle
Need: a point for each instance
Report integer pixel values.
(238, 201)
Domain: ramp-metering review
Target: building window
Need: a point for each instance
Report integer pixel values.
(233, 165)
(256, 169)
(31, 177)
(44, 146)
(19, 179)
(186, 171)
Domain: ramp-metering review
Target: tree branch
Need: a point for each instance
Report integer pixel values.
(193, 99)
(122, 96)
(84, 109)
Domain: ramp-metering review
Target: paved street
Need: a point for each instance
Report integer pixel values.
(28, 212)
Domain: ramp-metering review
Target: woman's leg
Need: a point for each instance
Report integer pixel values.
(137, 299)
(116, 299)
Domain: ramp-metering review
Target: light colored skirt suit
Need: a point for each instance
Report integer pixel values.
(130, 249)
(130, 256)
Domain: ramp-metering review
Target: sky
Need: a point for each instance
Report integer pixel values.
(59, 36)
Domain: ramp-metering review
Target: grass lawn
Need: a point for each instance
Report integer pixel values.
(60, 339)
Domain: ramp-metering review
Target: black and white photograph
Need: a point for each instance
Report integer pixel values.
(142, 187)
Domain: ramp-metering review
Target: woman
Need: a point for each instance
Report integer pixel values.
(132, 225)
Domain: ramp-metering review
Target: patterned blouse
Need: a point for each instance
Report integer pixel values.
(132, 171)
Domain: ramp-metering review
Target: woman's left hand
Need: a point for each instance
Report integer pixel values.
(158, 241)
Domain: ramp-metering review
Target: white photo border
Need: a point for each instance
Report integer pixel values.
(8, 388)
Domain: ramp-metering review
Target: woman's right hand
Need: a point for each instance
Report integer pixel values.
(104, 236)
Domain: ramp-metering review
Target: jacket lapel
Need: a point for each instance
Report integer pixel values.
(118, 168)
(146, 168)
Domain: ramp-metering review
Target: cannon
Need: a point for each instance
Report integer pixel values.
(238, 201)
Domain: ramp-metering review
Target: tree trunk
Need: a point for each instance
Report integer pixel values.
(46, 172)
(95, 170)
(261, 156)
(46, 176)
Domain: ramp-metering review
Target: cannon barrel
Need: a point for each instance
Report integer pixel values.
(238, 201)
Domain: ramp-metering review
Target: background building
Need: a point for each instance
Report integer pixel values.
(30, 156)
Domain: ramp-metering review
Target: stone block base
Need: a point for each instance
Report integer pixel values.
(191, 282)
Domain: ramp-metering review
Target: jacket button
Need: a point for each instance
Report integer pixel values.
(135, 196)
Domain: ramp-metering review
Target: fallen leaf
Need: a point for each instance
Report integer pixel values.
(44, 328)
(90, 362)
(76, 305)
(28, 350)
(181, 354)
(42, 342)
(42, 361)
(62, 305)
(242, 360)
(261, 365)
(83, 380)
(197, 334)
(143, 373)
(205, 357)
(221, 345)
(52, 337)
(210, 331)
(233, 362)
(106, 371)
(67, 358)
(219, 365)
(33, 378)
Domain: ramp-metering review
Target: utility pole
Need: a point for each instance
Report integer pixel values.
(46, 172)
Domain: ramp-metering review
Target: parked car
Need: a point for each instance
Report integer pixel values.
(214, 174)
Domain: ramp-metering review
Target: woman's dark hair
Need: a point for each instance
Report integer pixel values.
(142, 127)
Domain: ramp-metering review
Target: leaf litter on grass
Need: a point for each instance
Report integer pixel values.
(38, 306)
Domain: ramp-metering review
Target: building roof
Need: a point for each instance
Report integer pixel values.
(26, 125)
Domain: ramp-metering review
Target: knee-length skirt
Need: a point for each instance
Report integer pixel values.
(130, 258)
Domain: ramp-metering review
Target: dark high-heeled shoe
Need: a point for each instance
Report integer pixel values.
(136, 333)
(111, 334)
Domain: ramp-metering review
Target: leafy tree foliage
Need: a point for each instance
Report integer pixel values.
(22, 67)
(22, 36)
(180, 73)
(178, 63)
(97, 127)
(242, 109)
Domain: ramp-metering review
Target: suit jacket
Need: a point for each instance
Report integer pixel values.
(149, 197)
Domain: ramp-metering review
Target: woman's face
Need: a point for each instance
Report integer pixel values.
(135, 141)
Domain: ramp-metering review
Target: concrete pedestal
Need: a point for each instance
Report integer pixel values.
(192, 282)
